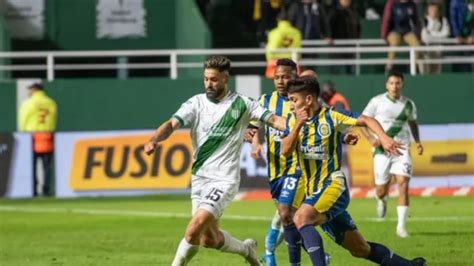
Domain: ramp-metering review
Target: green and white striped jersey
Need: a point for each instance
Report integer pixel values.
(217, 130)
(393, 115)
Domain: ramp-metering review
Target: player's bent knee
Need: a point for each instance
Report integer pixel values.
(302, 217)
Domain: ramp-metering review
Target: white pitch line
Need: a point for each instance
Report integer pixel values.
(106, 212)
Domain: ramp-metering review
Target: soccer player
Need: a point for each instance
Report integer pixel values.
(218, 120)
(314, 132)
(286, 185)
(397, 114)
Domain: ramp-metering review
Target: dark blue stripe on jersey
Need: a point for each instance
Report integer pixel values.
(307, 167)
(278, 111)
(331, 142)
(319, 163)
(339, 149)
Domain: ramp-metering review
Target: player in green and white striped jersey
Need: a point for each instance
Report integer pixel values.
(217, 120)
(397, 115)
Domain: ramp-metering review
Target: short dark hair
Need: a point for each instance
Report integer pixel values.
(218, 62)
(37, 86)
(287, 62)
(309, 85)
(395, 73)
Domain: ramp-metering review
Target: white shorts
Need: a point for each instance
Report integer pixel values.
(386, 165)
(212, 195)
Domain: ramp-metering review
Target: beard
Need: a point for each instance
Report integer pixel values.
(215, 93)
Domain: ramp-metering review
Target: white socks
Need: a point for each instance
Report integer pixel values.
(402, 212)
(184, 253)
(233, 245)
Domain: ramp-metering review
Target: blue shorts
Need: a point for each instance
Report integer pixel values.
(288, 190)
(332, 198)
(337, 226)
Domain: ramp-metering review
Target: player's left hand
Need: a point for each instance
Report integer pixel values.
(149, 147)
(351, 138)
(419, 148)
(391, 147)
(256, 152)
(249, 133)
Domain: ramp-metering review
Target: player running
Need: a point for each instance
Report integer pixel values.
(286, 184)
(397, 115)
(314, 132)
(218, 120)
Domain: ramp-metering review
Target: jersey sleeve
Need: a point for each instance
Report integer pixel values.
(186, 114)
(256, 123)
(343, 119)
(257, 112)
(370, 108)
(413, 115)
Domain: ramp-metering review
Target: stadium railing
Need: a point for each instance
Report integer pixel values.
(171, 57)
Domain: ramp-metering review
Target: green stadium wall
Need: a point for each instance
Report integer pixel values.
(106, 104)
(71, 25)
(4, 46)
(7, 106)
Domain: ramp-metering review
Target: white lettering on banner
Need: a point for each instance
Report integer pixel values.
(24, 18)
(121, 19)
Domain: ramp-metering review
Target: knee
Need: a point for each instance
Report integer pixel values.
(286, 216)
(304, 217)
(193, 232)
(361, 251)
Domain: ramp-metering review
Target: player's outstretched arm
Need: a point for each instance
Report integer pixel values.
(161, 133)
(387, 143)
(416, 135)
(373, 140)
(277, 122)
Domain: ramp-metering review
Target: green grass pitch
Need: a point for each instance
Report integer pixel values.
(147, 230)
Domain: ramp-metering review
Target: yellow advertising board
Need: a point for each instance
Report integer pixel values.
(119, 163)
(441, 158)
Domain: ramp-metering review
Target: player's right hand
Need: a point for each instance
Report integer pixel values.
(149, 147)
(301, 116)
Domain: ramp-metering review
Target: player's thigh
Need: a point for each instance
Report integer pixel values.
(289, 190)
(214, 196)
(340, 229)
(332, 198)
(382, 166)
(402, 165)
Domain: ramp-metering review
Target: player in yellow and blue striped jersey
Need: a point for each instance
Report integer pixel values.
(314, 132)
(287, 186)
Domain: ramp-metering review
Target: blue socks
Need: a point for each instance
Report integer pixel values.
(314, 244)
(293, 241)
(380, 254)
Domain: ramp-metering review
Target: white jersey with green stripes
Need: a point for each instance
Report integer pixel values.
(393, 115)
(217, 131)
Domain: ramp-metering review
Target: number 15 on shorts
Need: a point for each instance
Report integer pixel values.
(214, 195)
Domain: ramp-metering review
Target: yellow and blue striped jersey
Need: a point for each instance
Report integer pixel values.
(319, 144)
(278, 165)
